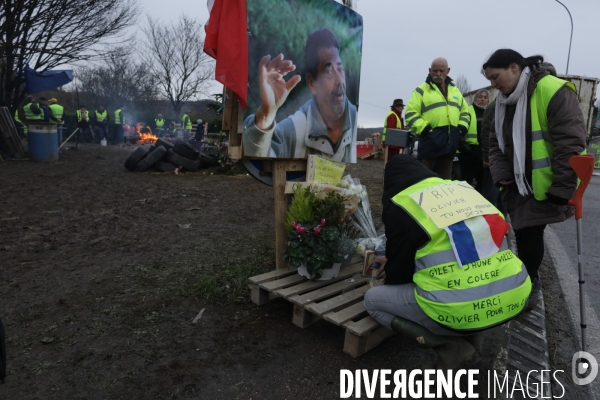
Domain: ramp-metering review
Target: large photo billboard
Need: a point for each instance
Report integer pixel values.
(304, 70)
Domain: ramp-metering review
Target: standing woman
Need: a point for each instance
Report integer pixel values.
(538, 127)
(470, 156)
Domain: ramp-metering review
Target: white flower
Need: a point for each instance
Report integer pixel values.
(344, 184)
(360, 249)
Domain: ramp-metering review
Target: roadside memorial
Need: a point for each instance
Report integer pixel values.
(299, 100)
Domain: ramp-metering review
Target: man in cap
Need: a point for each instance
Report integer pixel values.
(393, 120)
(56, 116)
(439, 114)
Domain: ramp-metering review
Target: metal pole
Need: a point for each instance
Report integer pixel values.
(581, 282)
(570, 40)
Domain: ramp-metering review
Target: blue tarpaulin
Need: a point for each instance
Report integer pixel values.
(40, 81)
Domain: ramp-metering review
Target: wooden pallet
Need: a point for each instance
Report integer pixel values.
(10, 135)
(339, 301)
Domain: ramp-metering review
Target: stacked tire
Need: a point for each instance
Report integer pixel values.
(165, 157)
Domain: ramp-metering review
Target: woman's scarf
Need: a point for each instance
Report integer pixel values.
(518, 97)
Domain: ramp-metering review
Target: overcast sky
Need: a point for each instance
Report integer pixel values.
(401, 38)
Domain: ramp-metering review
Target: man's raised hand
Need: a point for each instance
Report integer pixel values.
(274, 90)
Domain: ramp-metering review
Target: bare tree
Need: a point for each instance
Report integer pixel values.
(119, 79)
(178, 61)
(47, 33)
(462, 84)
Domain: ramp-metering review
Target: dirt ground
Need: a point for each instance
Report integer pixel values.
(103, 271)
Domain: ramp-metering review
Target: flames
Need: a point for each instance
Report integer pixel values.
(146, 138)
(134, 132)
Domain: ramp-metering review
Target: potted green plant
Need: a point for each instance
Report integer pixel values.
(320, 234)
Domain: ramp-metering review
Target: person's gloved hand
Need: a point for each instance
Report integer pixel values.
(426, 131)
(556, 200)
(463, 130)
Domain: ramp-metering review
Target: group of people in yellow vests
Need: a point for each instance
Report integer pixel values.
(44, 110)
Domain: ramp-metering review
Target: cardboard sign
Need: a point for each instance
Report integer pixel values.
(447, 204)
(324, 171)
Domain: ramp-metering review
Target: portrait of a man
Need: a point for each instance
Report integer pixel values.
(324, 118)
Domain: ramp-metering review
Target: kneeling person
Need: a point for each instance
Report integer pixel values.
(443, 284)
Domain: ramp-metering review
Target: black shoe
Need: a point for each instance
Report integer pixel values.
(534, 296)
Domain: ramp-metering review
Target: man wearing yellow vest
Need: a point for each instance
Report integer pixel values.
(21, 129)
(159, 126)
(438, 114)
(83, 123)
(186, 125)
(119, 122)
(393, 119)
(32, 110)
(56, 116)
(445, 280)
(101, 120)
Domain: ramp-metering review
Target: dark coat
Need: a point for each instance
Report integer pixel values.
(487, 126)
(440, 141)
(567, 131)
(404, 235)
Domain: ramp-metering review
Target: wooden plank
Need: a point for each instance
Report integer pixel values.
(289, 165)
(363, 327)
(282, 283)
(303, 318)
(10, 134)
(369, 154)
(228, 101)
(259, 296)
(347, 314)
(281, 206)
(325, 292)
(269, 276)
(345, 272)
(235, 152)
(338, 302)
(355, 346)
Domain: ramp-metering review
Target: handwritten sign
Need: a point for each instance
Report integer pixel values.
(449, 203)
(324, 171)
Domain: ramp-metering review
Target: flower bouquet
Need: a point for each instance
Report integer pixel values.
(320, 232)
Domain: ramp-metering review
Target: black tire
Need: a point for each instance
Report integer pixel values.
(163, 143)
(187, 151)
(152, 148)
(135, 158)
(186, 163)
(208, 160)
(151, 159)
(164, 166)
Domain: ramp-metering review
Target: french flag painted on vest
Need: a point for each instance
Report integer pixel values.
(476, 238)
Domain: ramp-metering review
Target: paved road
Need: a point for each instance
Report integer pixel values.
(567, 233)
